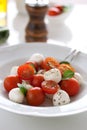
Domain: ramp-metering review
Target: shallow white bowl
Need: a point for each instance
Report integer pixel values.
(17, 54)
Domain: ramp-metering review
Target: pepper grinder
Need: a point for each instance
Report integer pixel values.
(36, 30)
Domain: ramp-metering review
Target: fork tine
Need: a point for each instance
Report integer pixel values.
(70, 54)
(74, 55)
(70, 57)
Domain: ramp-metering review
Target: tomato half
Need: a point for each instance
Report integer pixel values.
(10, 82)
(37, 80)
(71, 86)
(35, 96)
(50, 63)
(50, 86)
(25, 71)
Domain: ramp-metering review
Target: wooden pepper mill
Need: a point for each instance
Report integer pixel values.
(36, 30)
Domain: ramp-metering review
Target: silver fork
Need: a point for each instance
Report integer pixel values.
(72, 55)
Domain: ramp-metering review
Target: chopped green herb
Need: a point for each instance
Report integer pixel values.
(67, 74)
(22, 89)
(64, 62)
(66, 8)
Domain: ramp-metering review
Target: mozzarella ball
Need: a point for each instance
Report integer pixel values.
(53, 74)
(78, 77)
(60, 98)
(14, 70)
(38, 58)
(16, 95)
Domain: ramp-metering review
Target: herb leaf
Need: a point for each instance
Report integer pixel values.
(67, 74)
(64, 62)
(22, 88)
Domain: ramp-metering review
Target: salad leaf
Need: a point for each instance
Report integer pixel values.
(66, 8)
(67, 74)
(22, 88)
(64, 62)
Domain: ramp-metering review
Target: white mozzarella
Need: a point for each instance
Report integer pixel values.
(14, 70)
(60, 98)
(53, 74)
(16, 95)
(38, 58)
(78, 77)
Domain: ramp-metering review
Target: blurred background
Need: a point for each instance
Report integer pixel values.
(62, 28)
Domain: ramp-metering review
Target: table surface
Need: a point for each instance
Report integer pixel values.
(73, 33)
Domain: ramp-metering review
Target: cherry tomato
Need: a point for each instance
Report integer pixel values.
(37, 80)
(35, 96)
(71, 86)
(10, 82)
(50, 86)
(60, 7)
(50, 63)
(34, 64)
(62, 67)
(25, 71)
(53, 11)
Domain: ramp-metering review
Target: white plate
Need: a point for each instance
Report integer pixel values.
(15, 55)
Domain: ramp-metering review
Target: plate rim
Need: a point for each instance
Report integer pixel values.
(39, 115)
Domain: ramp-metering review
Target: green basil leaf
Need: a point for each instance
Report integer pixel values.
(22, 89)
(66, 8)
(64, 62)
(67, 74)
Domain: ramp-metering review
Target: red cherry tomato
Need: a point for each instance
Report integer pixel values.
(50, 63)
(53, 11)
(71, 86)
(37, 80)
(50, 86)
(25, 71)
(60, 7)
(10, 82)
(35, 96)
(34, 64)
